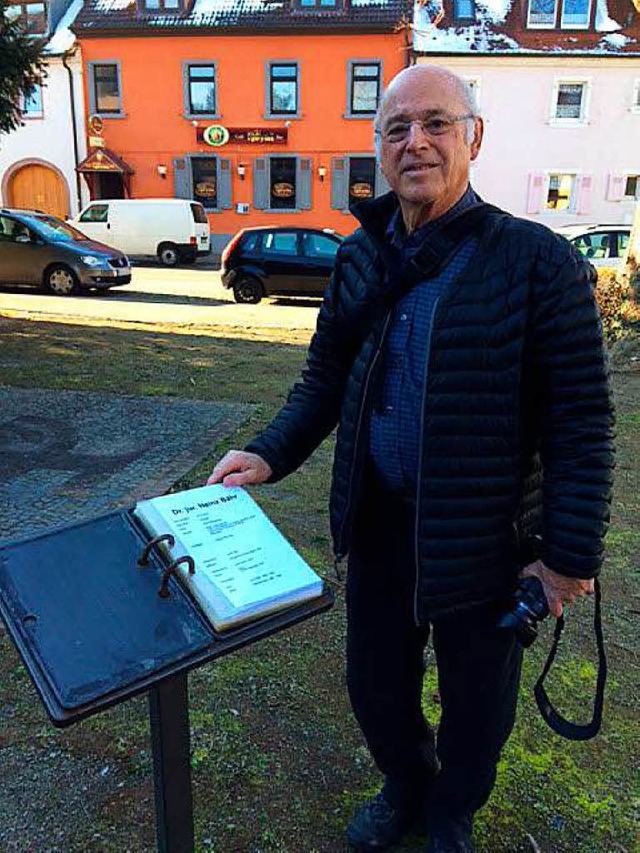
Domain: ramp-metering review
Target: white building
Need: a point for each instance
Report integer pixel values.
(558, 85)
(38, 160)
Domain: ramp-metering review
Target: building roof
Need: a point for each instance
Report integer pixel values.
(500, 28)
(234, 16)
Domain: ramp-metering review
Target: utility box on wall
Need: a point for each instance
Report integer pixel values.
(242, 207)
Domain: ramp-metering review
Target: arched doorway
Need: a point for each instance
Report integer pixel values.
(39, 187)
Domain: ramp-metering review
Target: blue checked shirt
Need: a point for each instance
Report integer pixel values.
(394, 429)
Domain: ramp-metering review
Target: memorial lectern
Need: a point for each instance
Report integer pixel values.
(87, 618)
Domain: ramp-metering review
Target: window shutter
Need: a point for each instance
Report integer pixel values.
(615, 187)
(339, 183)
(261, 183)
(303, 181)
(583, 194)
(536, 189)
(224, 184)
(181, 177)
(382, 186)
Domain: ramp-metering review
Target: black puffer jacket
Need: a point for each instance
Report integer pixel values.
(517, 441)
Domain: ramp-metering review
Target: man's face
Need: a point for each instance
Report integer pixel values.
(428, 172)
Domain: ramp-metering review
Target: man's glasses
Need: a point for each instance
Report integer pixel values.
(398, 131)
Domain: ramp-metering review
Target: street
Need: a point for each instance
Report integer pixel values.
(191, 297)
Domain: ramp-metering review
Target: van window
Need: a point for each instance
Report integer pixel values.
(96, 213)
(197, 210)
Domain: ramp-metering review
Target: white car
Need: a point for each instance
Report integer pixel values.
(602, 245)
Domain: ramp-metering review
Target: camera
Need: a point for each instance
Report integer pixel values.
(529, 608)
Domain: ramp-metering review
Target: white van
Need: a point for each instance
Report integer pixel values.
(172, 229)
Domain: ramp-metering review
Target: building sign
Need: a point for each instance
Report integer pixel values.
(96, 141)
(96, 124)
(216, 135)
(361, 190)
(283, 190)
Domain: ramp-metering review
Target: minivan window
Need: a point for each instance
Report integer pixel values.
(198, 213)
(57, 230)
(96, 213)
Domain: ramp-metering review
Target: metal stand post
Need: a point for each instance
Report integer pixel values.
(169, 716)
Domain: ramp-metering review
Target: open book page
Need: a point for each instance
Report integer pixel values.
(244, 565)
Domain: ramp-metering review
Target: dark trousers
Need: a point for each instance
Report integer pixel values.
(478, 672)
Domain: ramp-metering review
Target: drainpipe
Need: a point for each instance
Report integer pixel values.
(409, 58)
(65, 56)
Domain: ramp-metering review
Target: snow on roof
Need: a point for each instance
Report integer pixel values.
(206, 8)
(615, 40)
(495, 11)
(63, 39)
(604, 23)
(112, 5)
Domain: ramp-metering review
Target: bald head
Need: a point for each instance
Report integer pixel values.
(429, 76)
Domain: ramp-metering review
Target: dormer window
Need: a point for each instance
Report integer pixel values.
(542, 14)
(575, 14)
(464, 10)
(317, 5)
(32, 16)
(162, 5)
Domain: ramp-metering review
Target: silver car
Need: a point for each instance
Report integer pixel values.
(602, 245)
(39, 249)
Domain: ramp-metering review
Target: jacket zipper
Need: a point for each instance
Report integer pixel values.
(339, 555)
(419, 481)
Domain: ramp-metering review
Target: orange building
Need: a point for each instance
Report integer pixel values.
(260, 110)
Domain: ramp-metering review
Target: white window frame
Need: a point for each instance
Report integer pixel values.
(573, 198)
(635, 96)
(585, 106)
(34, 115)
(584, 26)
(551, 26)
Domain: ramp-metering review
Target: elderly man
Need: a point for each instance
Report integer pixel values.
(460, 351)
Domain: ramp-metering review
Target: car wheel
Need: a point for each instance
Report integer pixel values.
(168, 254)
(61, 280)
(248, 290)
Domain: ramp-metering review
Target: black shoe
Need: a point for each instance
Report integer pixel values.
(452, 835)
(378, 825)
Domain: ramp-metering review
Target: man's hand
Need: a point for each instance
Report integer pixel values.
(239, 468)
(558, 588)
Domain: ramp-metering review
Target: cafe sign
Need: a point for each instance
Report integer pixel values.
(217, 135)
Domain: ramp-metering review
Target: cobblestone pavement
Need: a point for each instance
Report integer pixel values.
(69, 455)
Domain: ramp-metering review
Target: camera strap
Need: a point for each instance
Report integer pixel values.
(559, 724)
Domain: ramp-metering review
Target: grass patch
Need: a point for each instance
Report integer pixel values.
(278, 763)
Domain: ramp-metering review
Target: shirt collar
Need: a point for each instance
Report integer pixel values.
(397, 234)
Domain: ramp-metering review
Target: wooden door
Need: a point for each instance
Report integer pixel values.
(38, 187)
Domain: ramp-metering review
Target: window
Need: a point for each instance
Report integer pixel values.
(362, 178)
(161, 5)
(570, 102)
(632, 186)
(635, 102)
(464, 10)
(282, 183)
(280, 242)
(105, 91)
(313, 5)
(542, 14)
(32, 104)
(595, 246)
(204, 179)
(282, 96)
(473, 85)
(560, 192)
(575, 14)
(33, 16)
(200, 95)
(96, 213)
(365, 81)
(319, 246)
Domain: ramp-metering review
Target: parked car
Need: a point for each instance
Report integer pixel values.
(39, 249)
(279, 261)
(175, 230)
(603, 245)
